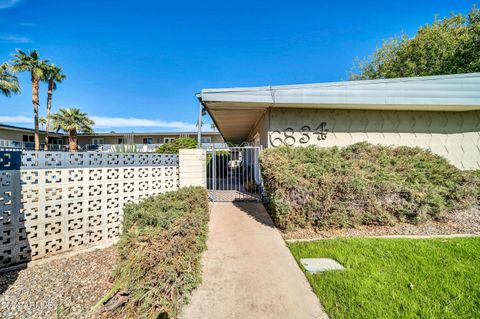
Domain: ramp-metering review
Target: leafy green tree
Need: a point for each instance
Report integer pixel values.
(31, 62)
(72, 121)
(53, 76)
(8, 82)
(177, 144)
(447, 46)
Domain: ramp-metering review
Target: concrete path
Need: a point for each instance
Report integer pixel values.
(248, 272)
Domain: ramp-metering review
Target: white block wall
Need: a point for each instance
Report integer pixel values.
(54, 201)
(193, 167)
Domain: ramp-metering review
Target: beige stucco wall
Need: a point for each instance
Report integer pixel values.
(83, 140)
(454, 135)
(217, 138)
(259, 134)
(14, 135)
(138, 139)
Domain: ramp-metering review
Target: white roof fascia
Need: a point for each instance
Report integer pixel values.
(458, 89)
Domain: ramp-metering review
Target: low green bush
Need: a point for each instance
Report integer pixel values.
(160, 250)
(362, 184)
(177, 144)
(476, 175)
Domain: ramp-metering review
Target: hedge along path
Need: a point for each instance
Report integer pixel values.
(362, 184)
(160, 252)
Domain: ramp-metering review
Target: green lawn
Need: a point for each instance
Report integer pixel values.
(397, 278)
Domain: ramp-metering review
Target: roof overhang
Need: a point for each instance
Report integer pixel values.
(235, 111)
(28, 130)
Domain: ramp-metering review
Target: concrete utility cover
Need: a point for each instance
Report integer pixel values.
(314, 265)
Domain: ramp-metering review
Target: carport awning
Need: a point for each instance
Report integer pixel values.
(235, 111)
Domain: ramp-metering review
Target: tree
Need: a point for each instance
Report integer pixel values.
(177, 144)
(8, 82)
(72, 121)
(42, 121)
(53, 76)
(31, 62)
(447, 46)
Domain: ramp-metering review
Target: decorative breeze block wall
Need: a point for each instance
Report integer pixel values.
(52, 202)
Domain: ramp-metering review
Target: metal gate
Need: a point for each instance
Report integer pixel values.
(233, 174)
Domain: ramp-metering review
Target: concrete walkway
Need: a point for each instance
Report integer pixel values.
(248, 272)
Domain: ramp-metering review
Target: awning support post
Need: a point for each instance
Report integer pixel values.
(199, 132)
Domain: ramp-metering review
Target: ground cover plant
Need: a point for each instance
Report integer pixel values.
(476, 175)
(362, 184)
(160, 250)
(397, 278)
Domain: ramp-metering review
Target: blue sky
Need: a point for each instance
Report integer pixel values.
(136, 65)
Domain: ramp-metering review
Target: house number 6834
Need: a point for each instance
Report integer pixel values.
(287, 136)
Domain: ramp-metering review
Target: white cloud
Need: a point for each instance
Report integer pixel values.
(16, 119)
(103, 122)
(16, 39)
(4, 4)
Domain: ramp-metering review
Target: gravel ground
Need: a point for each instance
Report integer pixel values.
(461, 222)
(60, 288)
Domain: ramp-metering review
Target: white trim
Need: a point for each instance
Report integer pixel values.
(456, 91)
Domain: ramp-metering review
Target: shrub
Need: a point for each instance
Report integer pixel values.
(177, 144)
(160, 249)
(476, 176)
(361, 184)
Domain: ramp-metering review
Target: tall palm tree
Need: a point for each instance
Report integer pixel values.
(31, 62)
(53, 75)
(72, 121)
(8, 82)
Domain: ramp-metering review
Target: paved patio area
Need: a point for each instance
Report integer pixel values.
(248, 272)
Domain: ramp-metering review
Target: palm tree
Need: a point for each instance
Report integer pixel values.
(72, 121)
(53, 75)
(8, 82)
(42, 121)
(31, 62)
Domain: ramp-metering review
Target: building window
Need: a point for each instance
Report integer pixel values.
(147, 140)
(55, 141)
(206, 139)
(27, 138)
(120, 140)
(168, 139)
(97, 141)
